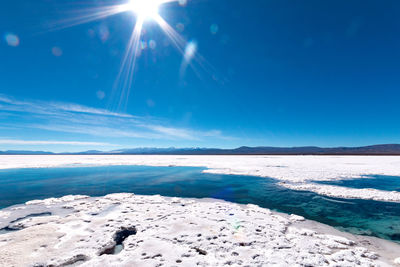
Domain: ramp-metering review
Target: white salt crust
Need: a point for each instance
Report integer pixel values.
(344, 192)
(177, 232)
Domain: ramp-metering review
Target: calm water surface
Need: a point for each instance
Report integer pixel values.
(365, 217)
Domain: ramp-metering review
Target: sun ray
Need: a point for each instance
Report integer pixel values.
(183, 46)
(143, 10)
(87, 15)
(176, 39)
(125, 74)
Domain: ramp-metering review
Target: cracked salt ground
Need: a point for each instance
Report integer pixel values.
(132, 230)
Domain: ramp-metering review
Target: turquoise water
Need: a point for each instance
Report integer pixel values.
(365, 217)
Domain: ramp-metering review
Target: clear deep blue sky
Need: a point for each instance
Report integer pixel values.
(277, 73)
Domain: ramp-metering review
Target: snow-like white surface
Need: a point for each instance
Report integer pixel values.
(344, 192)
(292, 169)
(52, 200)
(178, 232)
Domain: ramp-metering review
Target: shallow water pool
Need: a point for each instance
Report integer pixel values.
(381, 219)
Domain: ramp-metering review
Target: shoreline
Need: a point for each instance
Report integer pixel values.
(78, 228)
(293, 172)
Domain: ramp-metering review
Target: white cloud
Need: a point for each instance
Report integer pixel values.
(38, 142)
(94, 130)
(51, 107)
(169, 131)
(79, 119)
(89, 110)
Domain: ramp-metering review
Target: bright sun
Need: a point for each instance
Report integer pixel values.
(147, 9)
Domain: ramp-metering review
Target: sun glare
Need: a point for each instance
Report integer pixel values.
(146, 9)
(142, 10)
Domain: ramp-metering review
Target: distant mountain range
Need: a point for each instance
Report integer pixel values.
(387, 149)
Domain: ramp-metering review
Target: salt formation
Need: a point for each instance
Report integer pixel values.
(344, 192)
(132, 230)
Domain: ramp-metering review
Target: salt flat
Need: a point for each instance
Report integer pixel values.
(297, 172)
(131, 230)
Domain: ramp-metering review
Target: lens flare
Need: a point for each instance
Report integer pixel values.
(12, 39)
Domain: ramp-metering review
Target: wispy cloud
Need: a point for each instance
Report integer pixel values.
(37, 142)
(89, 110)
(169, 131)
(52, 107)
(80, 119)
(102, 131)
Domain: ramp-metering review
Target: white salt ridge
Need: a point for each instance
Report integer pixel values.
(345, 192)
(292, 169)
(49, 201)
(4, 214)
(180, 232)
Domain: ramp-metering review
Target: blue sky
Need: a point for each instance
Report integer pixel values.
(264, 73)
